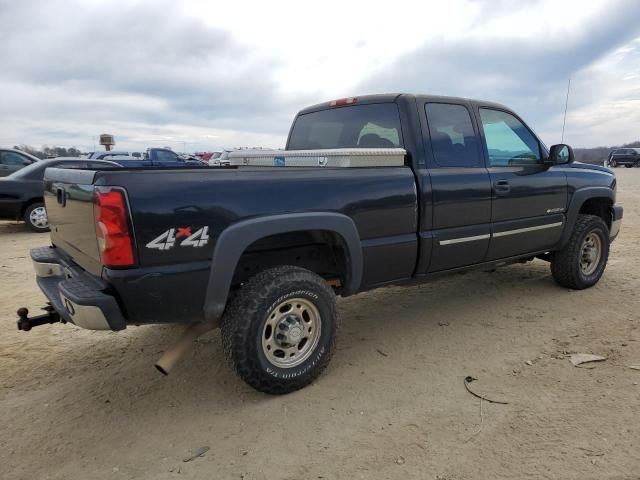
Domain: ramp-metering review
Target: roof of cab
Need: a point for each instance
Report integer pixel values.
(392, 97)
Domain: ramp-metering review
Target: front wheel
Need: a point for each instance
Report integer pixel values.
(279, 330)
(613, 163)
(35, 216)
(581, 263)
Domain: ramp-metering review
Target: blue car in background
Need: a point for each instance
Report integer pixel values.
(153, 157)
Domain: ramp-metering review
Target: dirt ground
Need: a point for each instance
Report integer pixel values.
(77, 404)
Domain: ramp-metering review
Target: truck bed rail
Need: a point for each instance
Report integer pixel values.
(338, 157)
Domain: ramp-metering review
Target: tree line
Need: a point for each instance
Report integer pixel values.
(598, 154)
(47, 152)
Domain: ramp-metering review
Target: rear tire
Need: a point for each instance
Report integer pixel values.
(35, 216)
(629, 166)
(279, 331)
(581, 263)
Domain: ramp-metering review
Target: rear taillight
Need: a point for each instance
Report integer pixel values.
(115, 241)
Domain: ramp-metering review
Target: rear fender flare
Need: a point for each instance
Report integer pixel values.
(235, 239)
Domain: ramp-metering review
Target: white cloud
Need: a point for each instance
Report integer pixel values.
(233, 73)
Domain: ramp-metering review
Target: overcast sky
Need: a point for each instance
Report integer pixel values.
(212, 74)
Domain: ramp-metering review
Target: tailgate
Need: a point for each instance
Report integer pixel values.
(68, 197)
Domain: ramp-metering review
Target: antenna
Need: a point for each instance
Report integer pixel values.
(566, 102)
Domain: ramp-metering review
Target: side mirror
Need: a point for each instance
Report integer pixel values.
(560, 154)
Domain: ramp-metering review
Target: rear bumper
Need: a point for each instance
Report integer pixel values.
(76, 295)
(616, 221)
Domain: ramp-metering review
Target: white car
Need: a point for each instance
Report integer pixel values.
(220, 160)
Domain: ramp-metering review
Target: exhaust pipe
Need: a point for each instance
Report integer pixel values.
(169, 358)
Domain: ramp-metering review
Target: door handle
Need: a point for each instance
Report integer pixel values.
(61, 196)
(502, 186)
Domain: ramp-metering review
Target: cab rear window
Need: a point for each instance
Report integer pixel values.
(358, 126)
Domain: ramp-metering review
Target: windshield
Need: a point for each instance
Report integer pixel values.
(360, 126)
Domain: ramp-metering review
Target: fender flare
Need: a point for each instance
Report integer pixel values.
(577, 200)
(235, 239)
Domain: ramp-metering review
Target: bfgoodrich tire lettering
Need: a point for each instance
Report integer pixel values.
(244, 321)
(581, 263)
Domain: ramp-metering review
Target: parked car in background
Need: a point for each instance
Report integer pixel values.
(165, 157)
(21, 192)
(113, 153)
(12, 160)
(162, 157)
(220, 158)
(153, 157)
(629, 157)
(205, 156)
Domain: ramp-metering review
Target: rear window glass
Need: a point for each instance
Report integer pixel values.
(359, 126)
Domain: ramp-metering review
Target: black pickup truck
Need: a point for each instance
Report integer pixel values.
(262, 252)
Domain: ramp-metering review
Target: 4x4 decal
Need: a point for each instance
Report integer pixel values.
(181, 236)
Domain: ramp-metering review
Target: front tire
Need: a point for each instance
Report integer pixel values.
(581, 263)
(613, 164)
(35, 216)
(279, 331)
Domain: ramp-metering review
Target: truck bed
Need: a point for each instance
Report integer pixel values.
(381, 202)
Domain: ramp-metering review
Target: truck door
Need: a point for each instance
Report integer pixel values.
(529, 198)
(461, 190)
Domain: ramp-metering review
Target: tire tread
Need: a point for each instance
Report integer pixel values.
(563, 266)
(236, 326)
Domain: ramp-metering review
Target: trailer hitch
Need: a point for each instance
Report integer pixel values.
(25, 323)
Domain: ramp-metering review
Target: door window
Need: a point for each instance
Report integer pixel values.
(508, 141)
(452, 137)
(98, 165)
(71, 164)
(163, 156)
(14, 159)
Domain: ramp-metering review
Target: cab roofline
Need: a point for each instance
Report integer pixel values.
(393, 97)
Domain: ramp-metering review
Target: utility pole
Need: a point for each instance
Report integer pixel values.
(566, 103)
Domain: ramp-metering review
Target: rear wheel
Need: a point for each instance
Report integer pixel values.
(629, 165)
(279, 331)
(35, 216)
(581, 263)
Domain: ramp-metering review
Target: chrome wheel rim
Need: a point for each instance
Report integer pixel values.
(590, 253)
(291, 332)
(38, 217)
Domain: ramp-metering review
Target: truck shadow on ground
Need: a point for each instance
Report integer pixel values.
(380, 320)
(417, 338)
